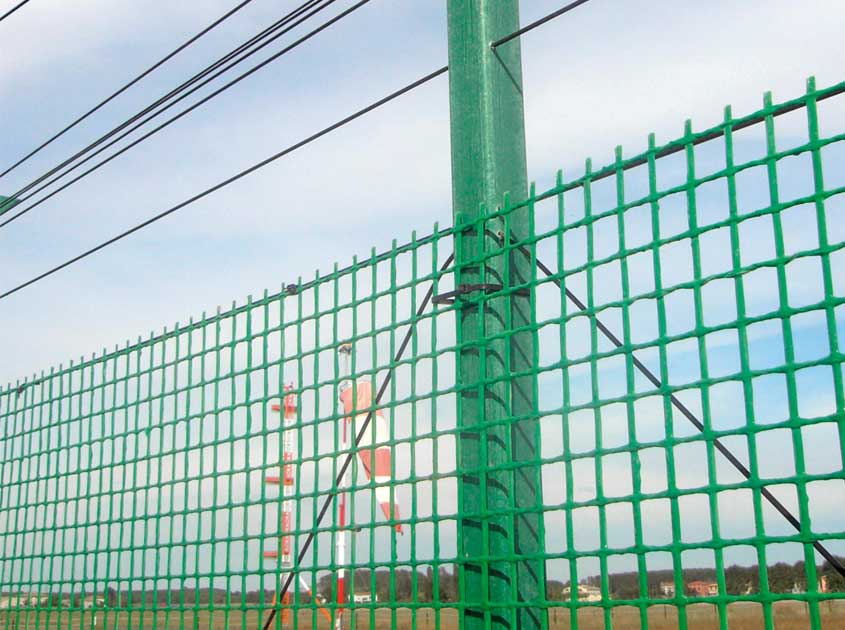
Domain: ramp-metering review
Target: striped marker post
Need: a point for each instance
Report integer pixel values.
(288, 483)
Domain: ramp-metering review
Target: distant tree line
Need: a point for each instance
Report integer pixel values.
(739, 580)
(406, 585)
(398, 585)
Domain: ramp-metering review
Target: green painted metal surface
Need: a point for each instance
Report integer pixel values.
(498, 416)
(132, 481)
(7, 203)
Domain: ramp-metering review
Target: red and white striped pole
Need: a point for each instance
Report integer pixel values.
(342, 534)
(374, 449)
(288, 482)
(289, 455)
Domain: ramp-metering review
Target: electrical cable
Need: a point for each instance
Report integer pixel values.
(163, 99)
(226, 182)
(236, 310)
(350, 456)
(677, 147)
(145, 73)
(181, 114)
(669, 150)
(689, 415)
(12, 10)
(280, 23)
(540, 22)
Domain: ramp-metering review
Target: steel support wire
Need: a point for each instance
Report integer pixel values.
(12, 10)
(358, 437)
(234, 178)
(120, 91)
(285, 21)
(540, 22)
(689, 415)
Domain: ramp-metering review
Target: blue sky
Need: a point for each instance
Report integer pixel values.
(606, 74)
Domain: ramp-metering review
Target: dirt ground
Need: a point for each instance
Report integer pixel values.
(741, 616)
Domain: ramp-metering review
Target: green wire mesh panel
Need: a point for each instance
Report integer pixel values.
(690, 320)
(688, 316)
(135, 483)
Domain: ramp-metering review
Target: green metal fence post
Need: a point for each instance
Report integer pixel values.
(488, 161)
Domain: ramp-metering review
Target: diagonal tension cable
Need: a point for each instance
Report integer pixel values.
(12, 10)
(689, 415)
(284, 21)
(540, 22)
(146, 72)
(233, 178)
(350, 456)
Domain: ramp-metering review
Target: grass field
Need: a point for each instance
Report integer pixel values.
(741, 616)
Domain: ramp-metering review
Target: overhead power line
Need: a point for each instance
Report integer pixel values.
(145, 73)
(280, 23)
(12, 10)
(234, 178)
(291, 16)
(678, 147)
(530, 27)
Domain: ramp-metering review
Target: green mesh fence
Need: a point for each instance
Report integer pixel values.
(688, 316)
